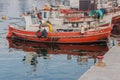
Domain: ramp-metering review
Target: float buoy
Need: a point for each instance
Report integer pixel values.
(4, 18)
(38, 34)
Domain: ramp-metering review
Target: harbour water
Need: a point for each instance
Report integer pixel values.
(36, 61)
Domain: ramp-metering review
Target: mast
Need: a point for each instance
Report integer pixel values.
(93, 5)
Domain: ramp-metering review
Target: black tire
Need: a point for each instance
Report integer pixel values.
(37, 34)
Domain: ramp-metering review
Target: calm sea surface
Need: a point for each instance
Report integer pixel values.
(36, 61)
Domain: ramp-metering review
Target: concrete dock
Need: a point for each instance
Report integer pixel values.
(109, 72)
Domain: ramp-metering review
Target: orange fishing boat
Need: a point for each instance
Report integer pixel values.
(52, 29)
(68, 36)
(116, 27)
(94, 31)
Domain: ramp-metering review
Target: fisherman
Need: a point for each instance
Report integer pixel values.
(86, 25)
(82, 30)
(89, 24)
(45, 27)
(44, 30)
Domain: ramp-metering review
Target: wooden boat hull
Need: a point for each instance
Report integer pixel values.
(116, 19)
(116, 27)
(61, 37)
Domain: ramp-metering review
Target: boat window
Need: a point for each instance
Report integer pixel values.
(45, 14)
(35, 21)
(51, 15)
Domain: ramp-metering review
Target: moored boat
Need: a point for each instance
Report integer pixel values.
(52, 29)
(94, 31)
(62, 35)
(116, 27)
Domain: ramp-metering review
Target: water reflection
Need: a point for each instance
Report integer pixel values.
(57, 59)
(113, 41)
(44, 50)
(36, 61)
